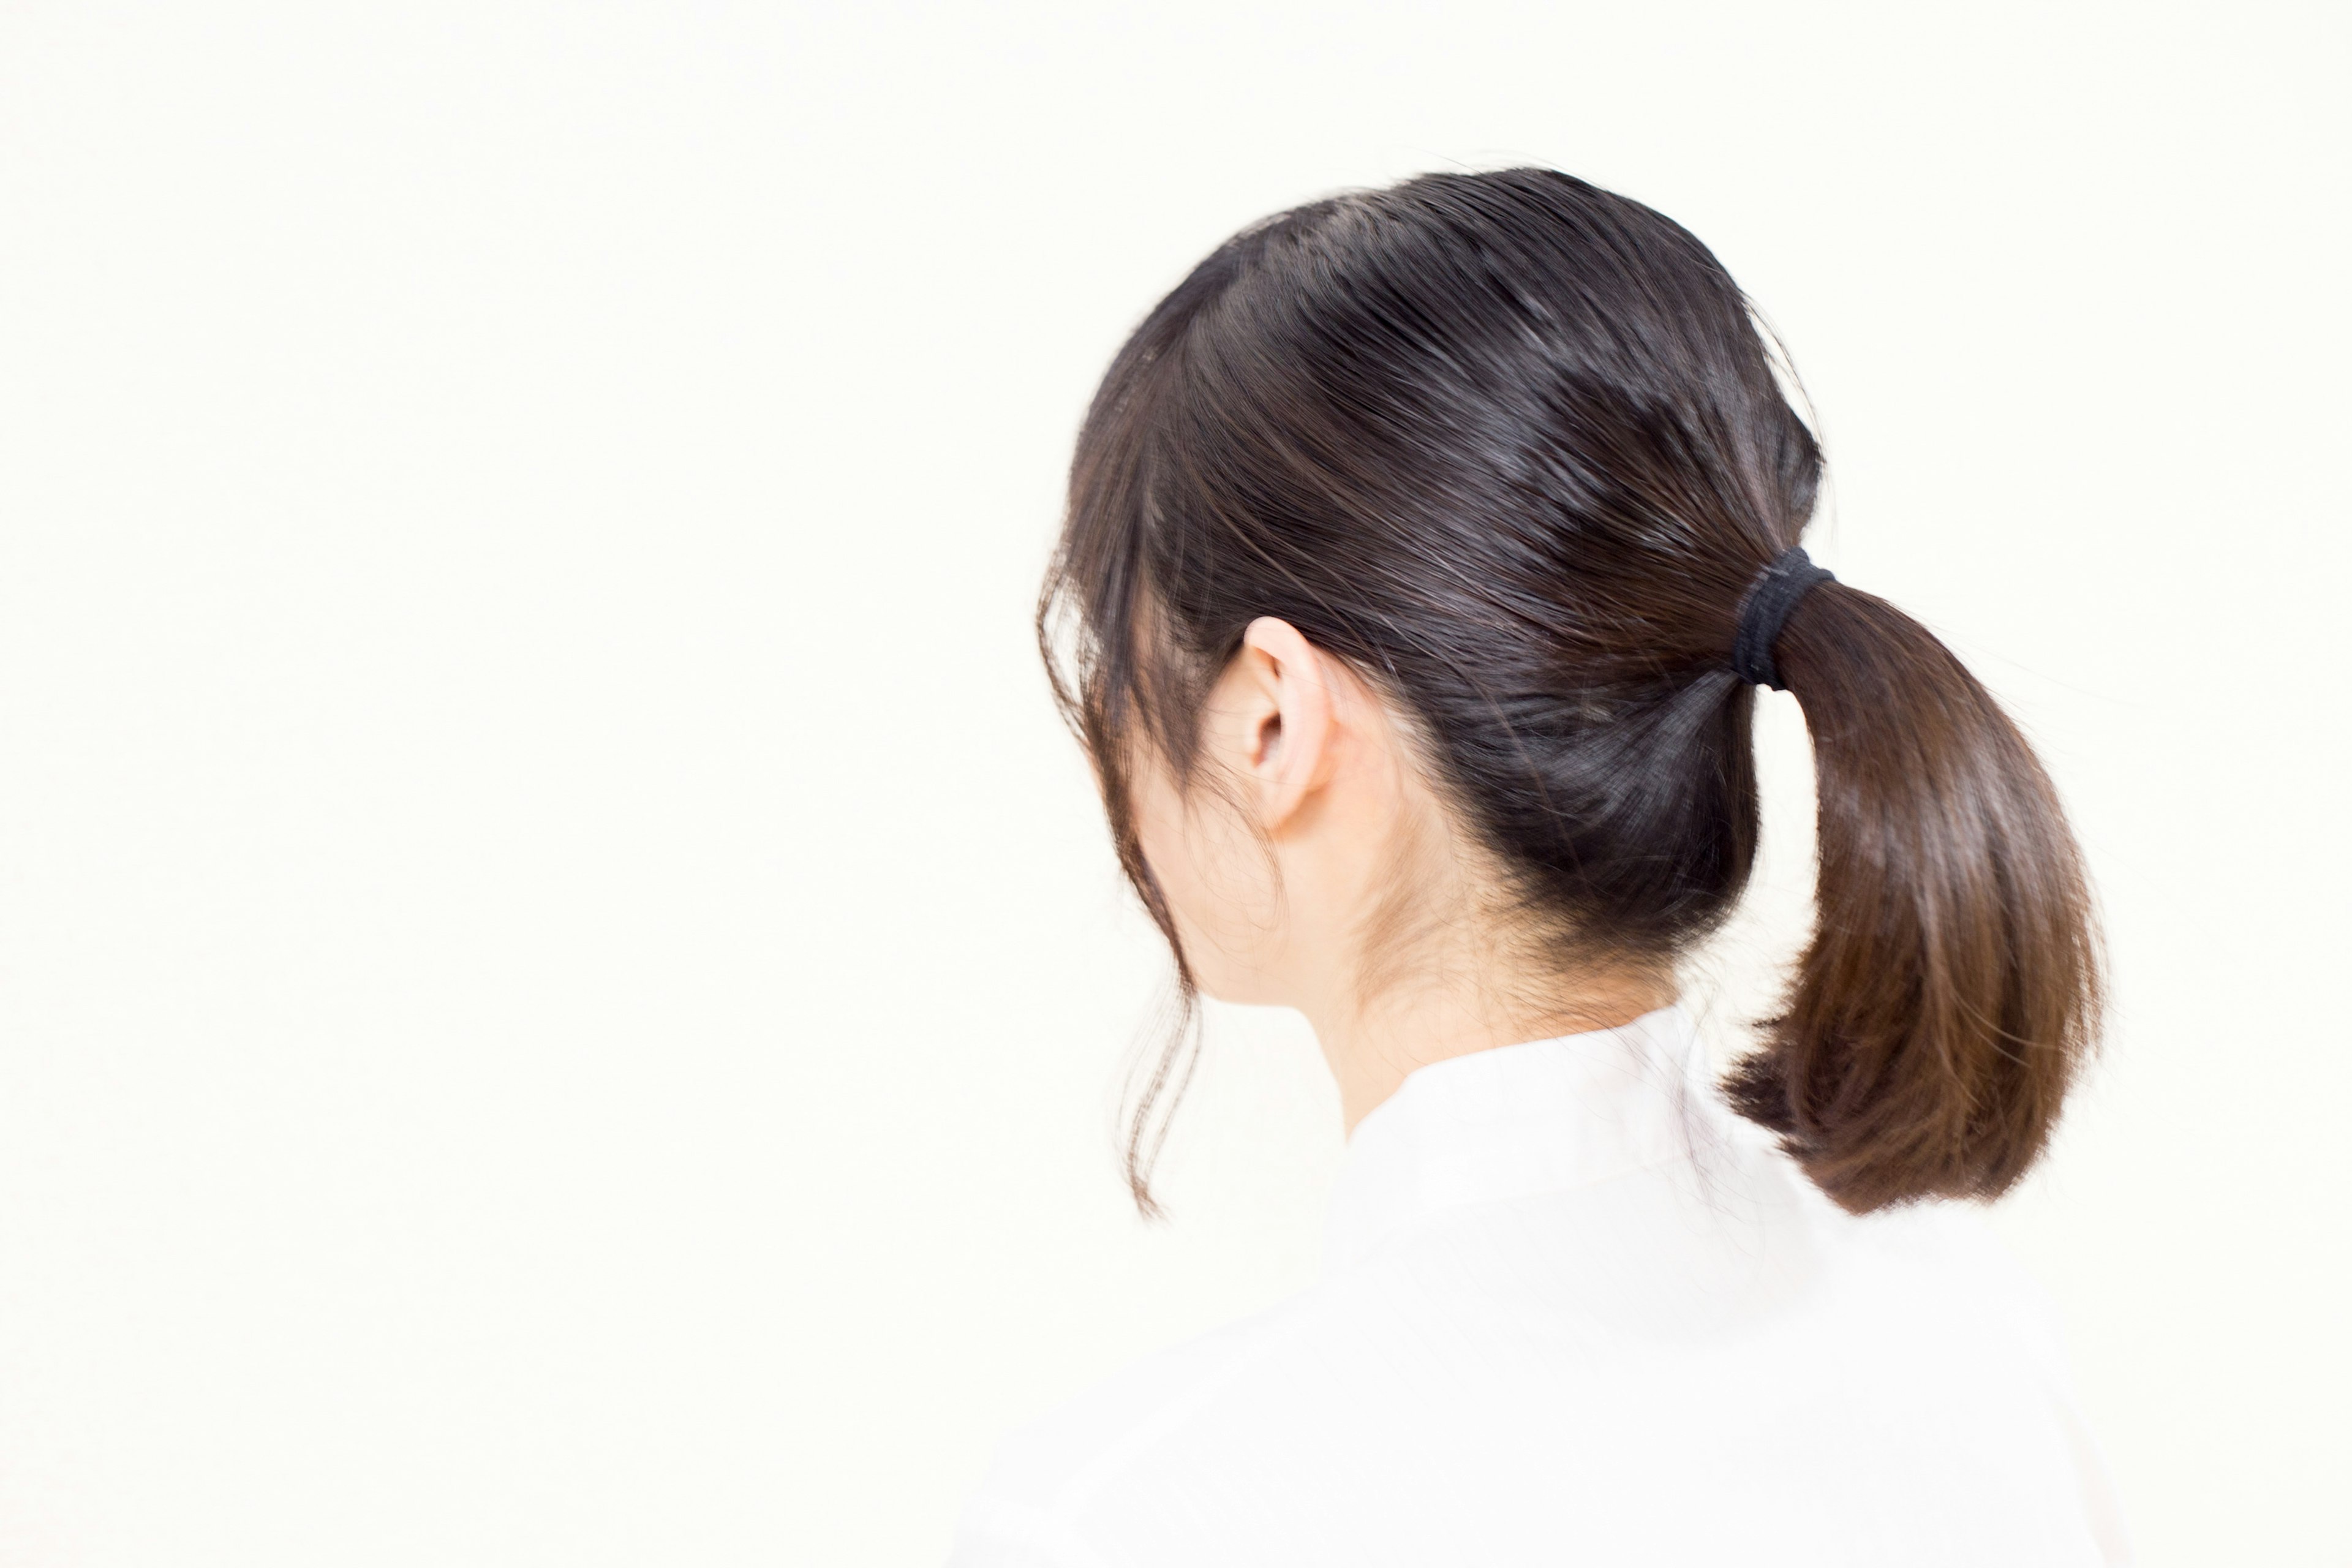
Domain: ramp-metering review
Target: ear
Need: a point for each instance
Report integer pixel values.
(1280, 719)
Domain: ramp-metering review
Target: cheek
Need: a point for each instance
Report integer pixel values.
(1163, 835)
(1216, 884)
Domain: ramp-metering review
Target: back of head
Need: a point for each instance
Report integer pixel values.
(1514, 447)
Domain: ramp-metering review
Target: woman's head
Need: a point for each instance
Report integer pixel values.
(1503, 453)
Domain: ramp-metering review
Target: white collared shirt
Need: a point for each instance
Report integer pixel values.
(1575, 1311)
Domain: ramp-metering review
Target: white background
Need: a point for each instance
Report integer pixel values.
(562, 992)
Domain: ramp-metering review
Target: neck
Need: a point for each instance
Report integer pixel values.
(1373, 1042)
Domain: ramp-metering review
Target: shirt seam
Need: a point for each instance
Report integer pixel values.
(1034, 1529)
(1088, 1479)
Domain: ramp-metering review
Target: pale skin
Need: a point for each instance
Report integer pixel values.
(1318, 867)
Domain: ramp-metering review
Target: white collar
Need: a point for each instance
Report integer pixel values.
(1541, 1116)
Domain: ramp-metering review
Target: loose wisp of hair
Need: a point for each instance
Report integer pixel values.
(1513, 447)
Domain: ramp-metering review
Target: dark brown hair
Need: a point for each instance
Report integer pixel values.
(1514, 447)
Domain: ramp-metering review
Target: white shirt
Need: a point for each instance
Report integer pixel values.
(1576, 1311)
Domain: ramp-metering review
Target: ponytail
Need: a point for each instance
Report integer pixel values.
(1952, 983)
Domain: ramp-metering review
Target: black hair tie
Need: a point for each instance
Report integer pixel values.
(1766, 608)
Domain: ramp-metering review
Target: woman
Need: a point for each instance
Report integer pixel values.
(1425, 547)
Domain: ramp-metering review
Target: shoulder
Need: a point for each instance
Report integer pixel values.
(1043, 1473)
(1044, 1462)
